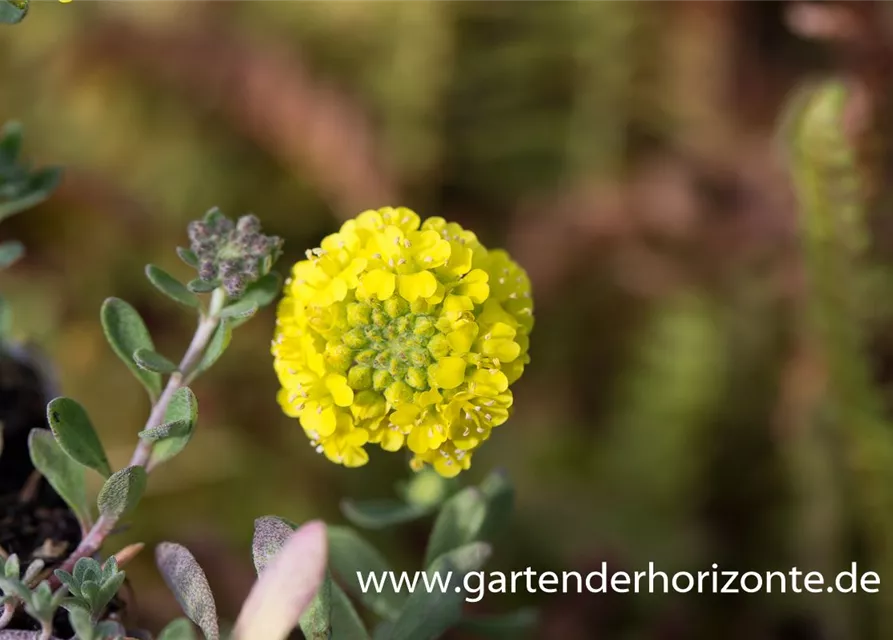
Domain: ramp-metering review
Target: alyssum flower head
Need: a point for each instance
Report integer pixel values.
(398, 334)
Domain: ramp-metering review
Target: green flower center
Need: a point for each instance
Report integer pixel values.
(388, 349)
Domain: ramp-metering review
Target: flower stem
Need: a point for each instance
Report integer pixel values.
(92, 542)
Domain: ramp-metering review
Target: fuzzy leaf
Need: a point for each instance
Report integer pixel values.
(11, 568)
(349, 554)
(218, 344)
(153, 361)
(126, 332)
(187, 581)
(331, 616)
(270, 535)
(188, 256)
(107, 591)
(201, 286)
(459, 522)
(82, 623)
(10, 252)
(179, 629)
(171, 287)
(242, 309)
(176, 429)
(75, 434)
(10, 587)
(34, 567)
(122, 491)
(427, 616)
(64, 474)
(12, 11)
(183, 408)
(286, 587)
(517, 624)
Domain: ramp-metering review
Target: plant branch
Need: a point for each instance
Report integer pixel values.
(93, 540)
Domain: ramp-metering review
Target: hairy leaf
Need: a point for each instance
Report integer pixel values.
(126, 332)
(286, 587)
(75, 434)
(183, 409)
(218, 344)
(64, 474)
(171, 287)
(270, 535)
(122, 491)
(153, 361)
(189, 585)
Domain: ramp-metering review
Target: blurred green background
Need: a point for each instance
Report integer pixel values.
(623, 152)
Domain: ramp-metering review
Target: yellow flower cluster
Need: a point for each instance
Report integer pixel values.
(401, 334)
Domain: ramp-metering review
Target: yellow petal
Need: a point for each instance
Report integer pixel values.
(378, 283)
(320, 420)
(447, 467)
(354, 457)
(489, 382)
(448, 373)
(418, 440)
(337, 385)
(474, 285)
(392, 440)
(462, 338)
(417, 285)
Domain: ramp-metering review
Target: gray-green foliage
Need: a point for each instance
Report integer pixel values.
(72, 444)
(91, 587)
(464, 524)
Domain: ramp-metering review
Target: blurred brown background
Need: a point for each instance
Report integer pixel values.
(624, 152)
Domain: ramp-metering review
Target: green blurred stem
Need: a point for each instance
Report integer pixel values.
(186, 372)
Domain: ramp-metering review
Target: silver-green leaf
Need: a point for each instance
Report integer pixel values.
(126, 332)
(75, 434)
(218, 344)
(153, 361)
(65, 475)
(171, 287)
(270, 534)
(187, 581)
(183, 408)
(122, 491)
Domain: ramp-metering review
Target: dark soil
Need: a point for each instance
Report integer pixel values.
(39, 525)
